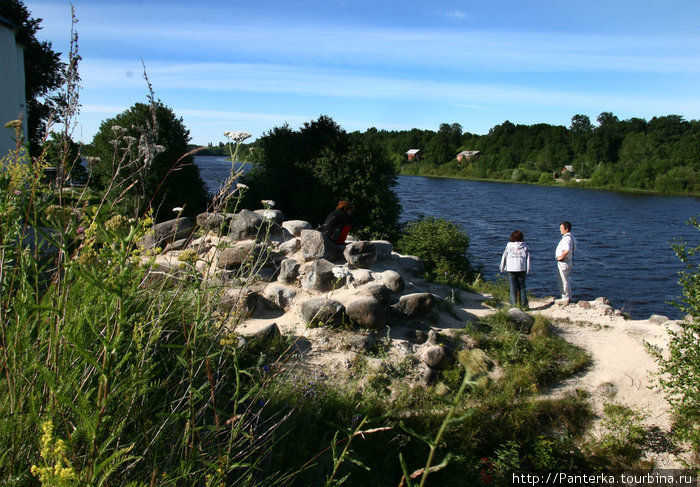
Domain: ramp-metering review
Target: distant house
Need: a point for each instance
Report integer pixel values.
(414, 154)
(12, 91)
(468, 155)
(567, 169)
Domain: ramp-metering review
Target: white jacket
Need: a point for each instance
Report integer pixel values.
(516, 257)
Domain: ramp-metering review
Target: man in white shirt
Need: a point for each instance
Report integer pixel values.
(565, 261)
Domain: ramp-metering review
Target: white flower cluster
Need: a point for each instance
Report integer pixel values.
(341, 272)
(237, 136)
(269, 215)
(268, 203)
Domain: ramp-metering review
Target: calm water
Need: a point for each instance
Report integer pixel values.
(624, 240)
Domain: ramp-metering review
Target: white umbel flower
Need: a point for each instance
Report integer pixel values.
(238, 136)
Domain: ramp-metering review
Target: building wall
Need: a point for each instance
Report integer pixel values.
(12, 91)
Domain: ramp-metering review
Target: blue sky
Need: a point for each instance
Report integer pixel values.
(392, 65)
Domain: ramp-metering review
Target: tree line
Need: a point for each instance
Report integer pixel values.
(662, 154)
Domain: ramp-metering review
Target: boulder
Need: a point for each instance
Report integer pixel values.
(360, 254)
(322, 311)
(367, 312)
(211, 221)
(314, 246)
(410, 263)
(168, 231)
(289, 271)
(246, 225)
(393, 281)
(290, 246)
(433, 355)
(267, 333)
(383, 248)
(318, 276)
(416, 304)
(376, 290)
(279, 296)
(296, 226)
(658, 319)
(238, 301)
(244, 252)
(520, 319)
(361, 276)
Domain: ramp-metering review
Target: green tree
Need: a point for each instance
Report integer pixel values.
(443, 247)
(143, 162)
(43, 69)
(58, 150)
(306, 172)
(680, 370)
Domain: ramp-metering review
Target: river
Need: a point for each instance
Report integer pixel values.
(624, 239)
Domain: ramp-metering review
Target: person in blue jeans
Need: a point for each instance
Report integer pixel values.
(516, 261)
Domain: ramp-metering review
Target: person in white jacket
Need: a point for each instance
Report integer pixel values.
(516, 261)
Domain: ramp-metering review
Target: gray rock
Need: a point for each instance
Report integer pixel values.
(211, 221)
(318, 276)
(322, 311)
(244, 252)
(393, 281)
(315, 246)
(296, 226)
(416, 304)
(367, 312)
(246, 225)
(384, 248)
(658, 319)
(411, 264)
(238, 301)
(433, 355)
(377, 291)
(176, 245)
(520, 319)
(279, 296)
(289, 271)
(361, 276)
(288, 247)
(166, 232)
(267, 333)
(358, 342)
(427, 375)
(360, 254)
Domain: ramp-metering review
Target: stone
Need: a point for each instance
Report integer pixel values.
(176, 245)
(433, 356)
(361, 276)
(360, 254)
(584, 304)
(211, 221)
(296, 226)
(315, 246)
(290, 246)
(358, 342)
(367, 312)
(416, 304)
(244, 252)
(318, 276)
(520, 319)
(279, 296)
(411, 264)
(168, 231)
(289, 271)
(322, 311)
(238, 301)
(377, 290)
(393, 281)
(246, 225)
(658, 319)
(427, 375)
(383, 248)
(267, 333)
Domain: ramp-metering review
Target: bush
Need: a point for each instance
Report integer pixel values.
(680, 371)
(443, 248)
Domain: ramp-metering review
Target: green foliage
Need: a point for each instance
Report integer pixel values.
(141, 162)
(306, 172)
(680, 369)
(58, 151)
(442, 246)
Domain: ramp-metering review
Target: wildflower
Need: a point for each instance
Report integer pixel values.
(13, 124)
(241, 186)
(340, 272)
(269, 215)
(17, 192)
(237, 137)
(268, 203)
(80, 230)
(116, 222)
(178, 209)
(265, 369)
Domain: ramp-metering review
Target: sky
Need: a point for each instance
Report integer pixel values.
(394, 65)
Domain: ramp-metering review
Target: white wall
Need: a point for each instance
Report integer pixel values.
(12, 92)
